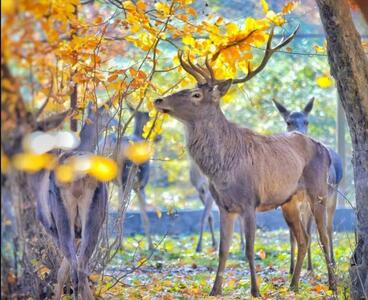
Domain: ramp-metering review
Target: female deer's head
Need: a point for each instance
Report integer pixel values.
(295, 120)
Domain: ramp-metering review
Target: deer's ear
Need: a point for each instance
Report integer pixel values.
(222, 87)
(282, 109)
(308, 108)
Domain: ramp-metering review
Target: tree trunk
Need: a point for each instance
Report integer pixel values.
(36, 250)
(349, 67)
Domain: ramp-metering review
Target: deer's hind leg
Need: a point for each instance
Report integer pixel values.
(319, 212)
(92, 217)
(309, 233)
(62, 276)
(144, 217)
(292, 216)
(64, 220)
(207, 201)
(292, 251)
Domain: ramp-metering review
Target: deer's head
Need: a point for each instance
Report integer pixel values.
(202, 102)
(295, 120)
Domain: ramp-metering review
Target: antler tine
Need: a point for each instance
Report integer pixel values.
(199, 70)
(268, 53)
(210, 70)
(189, 69)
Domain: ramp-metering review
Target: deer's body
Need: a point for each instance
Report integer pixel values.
(298, 121)
(249, 172)
(73, 213)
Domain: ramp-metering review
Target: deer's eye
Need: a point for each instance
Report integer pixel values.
(196, 95)
(288, 123)
(306, 122)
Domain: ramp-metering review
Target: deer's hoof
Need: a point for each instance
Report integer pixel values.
(199, 249)
(215, 291)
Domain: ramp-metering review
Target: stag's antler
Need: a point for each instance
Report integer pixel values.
(268, 53)
(206, 74)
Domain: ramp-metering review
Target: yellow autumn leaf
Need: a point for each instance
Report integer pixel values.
(8, 6)
(128, 5)
(141, 5)
(158, 213)
(276, 19)
(4, 163)
(319, 49)
(188, 40)
(288, 7)
(30, 162)
(42, 272)
(139, 152)
(64, 173)
(262, 254)
(103, 168)
(264, 5)
(324, 81)
(163, 8)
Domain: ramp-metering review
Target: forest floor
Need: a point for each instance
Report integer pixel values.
(176, 271)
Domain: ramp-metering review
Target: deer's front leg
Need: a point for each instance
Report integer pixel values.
(249, 222)
(226, 232)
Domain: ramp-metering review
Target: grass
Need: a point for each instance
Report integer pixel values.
(176, 271)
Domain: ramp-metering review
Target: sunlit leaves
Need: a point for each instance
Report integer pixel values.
(4, 163)
(138, 152)
(288, 7)
(264, 5)
(31, 163)
(101, 168)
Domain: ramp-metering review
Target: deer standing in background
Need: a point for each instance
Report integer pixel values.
(201, 184)
(249, 172)
(109, 143)
(298, 121)
(74, 211)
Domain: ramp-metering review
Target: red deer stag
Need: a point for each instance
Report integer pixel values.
(298, 121)
(249, 172)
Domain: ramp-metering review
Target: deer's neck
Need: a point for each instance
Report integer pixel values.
(215, 144)
(89, 136)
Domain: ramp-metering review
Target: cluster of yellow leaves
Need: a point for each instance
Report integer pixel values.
(324, 81)
(229, 45)
(101, 168)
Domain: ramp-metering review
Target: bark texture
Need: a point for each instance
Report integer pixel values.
(349, 67)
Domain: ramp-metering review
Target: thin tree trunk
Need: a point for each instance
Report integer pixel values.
(349, 67)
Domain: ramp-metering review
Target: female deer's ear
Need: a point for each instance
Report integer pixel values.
(282, 109)
(308, 108)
